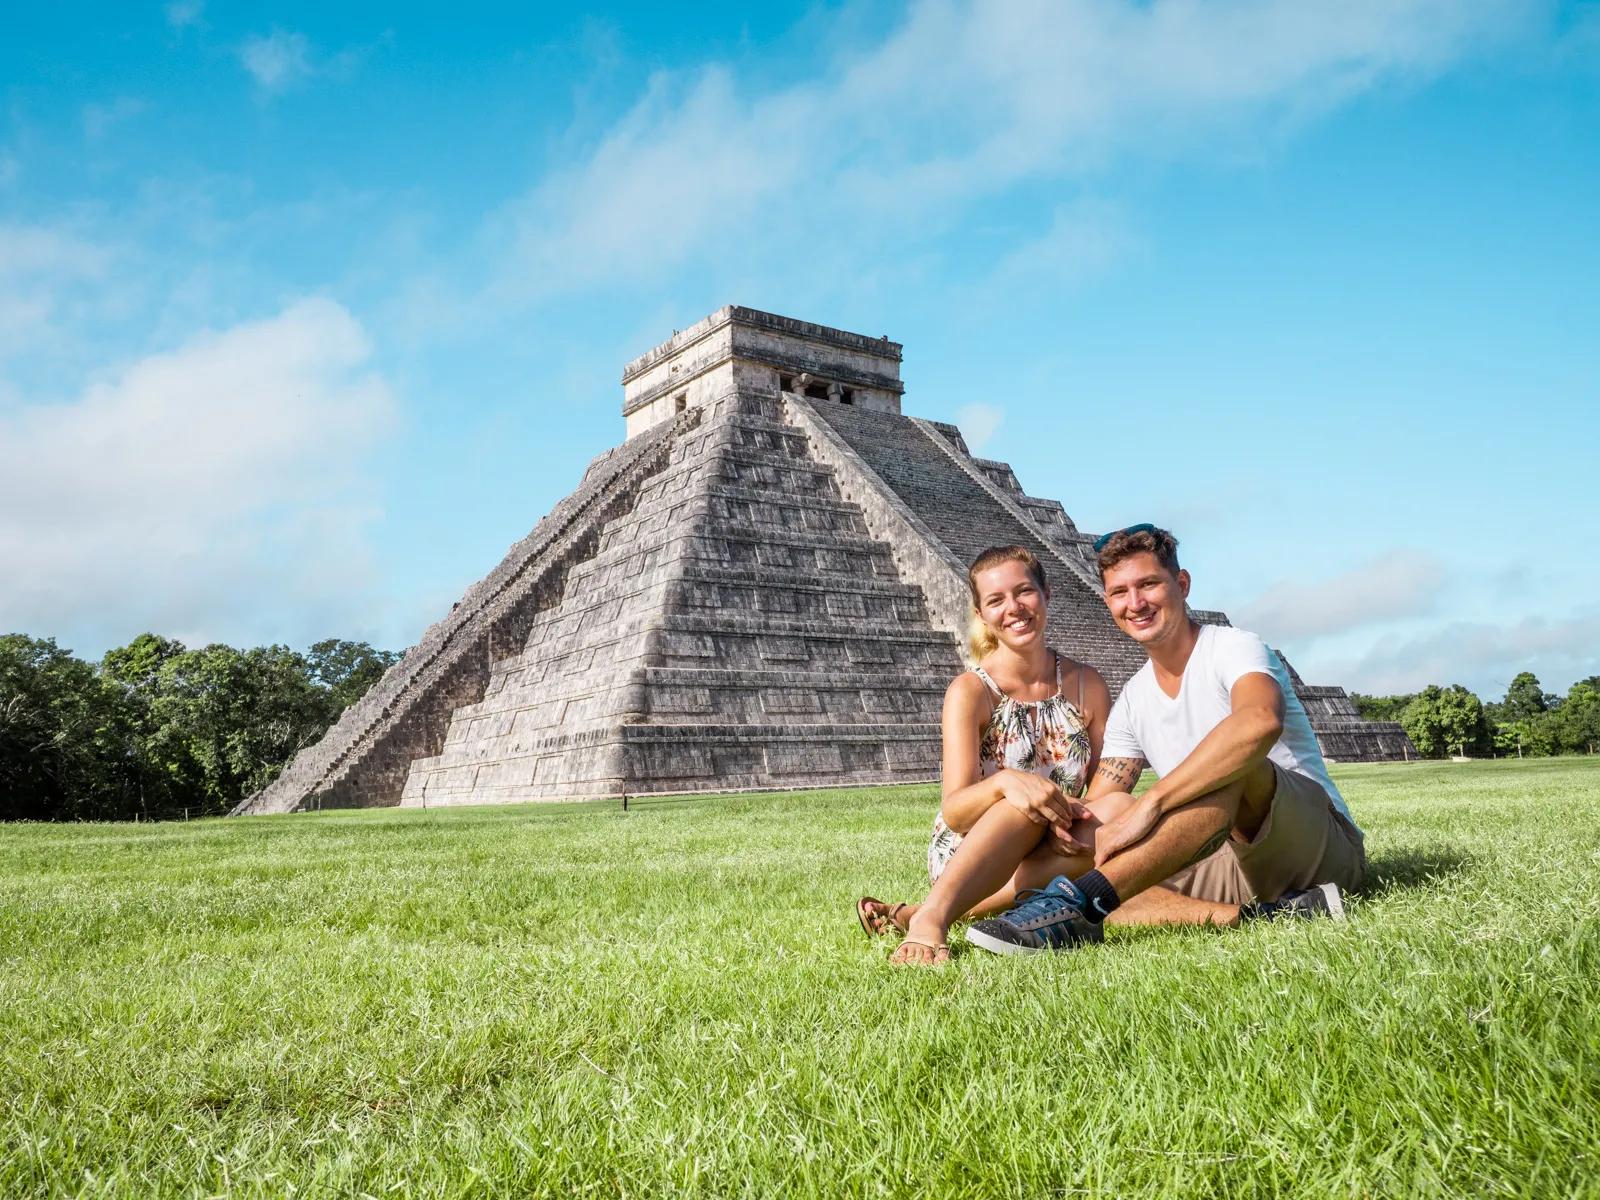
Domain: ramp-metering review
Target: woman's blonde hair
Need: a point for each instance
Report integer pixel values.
(980, 638)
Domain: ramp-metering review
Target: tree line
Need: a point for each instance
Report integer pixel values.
(1529, 721)
(155, 730)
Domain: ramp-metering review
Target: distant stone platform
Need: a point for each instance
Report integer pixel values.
(764, 586)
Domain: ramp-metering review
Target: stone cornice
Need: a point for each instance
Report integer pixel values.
(833, 373)
(754, 318)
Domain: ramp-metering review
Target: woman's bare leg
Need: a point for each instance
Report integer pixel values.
(985, 861)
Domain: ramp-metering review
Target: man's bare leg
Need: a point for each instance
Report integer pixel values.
(1002, 834)
(1188, 833)
(1163, 906)
(1154, 906)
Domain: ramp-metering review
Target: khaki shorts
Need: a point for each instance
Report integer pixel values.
(1304, 841)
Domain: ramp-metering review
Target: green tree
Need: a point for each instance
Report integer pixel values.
(1525, 699)
(347, 670)
(1442, 721)
(1577, 721)
(1531, 737)
(135, 671)
(224, 722)
(159, 730)
(138, 664)
(1381, 708)
(66, 738)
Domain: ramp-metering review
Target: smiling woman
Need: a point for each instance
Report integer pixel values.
(1022, 729)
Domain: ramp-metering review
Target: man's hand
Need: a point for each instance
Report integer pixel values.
(1043, 803)
(1127, 830)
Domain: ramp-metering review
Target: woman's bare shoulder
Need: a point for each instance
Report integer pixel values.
(1096, 695)
(967, 691)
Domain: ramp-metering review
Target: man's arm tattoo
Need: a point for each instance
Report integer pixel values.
(1123, 773)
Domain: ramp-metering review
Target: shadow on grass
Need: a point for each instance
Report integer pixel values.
(1412, 867)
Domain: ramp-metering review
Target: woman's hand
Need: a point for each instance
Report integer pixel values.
(1043, 803)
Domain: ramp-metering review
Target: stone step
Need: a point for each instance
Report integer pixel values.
(779, 755)
(967, 519)
(733, 641)
(728, 545)
(723, 517)
(646, 759)
(858, 613)
(807, 579)
(717, 696)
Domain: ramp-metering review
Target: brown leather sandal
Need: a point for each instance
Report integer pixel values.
(878, 924)
(941, 954)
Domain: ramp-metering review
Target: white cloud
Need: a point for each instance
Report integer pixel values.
(1484, 657)
(195, 490)
(978, 423)
(280, 60)
(41, 269)
(959, 103)
(277, 60)
(183, 13)
(1395, 585)
(101, 119)
(1083, 240)
(33, 250)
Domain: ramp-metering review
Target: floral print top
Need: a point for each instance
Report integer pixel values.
(1047, 737)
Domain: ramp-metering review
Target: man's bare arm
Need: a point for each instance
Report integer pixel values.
(1232, 750)
(1115, 775)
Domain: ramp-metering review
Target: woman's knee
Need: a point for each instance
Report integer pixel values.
(1108, 808)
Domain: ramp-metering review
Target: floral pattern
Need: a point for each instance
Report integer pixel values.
(1047, 737)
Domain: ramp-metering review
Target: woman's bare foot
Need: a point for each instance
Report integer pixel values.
(878, 917)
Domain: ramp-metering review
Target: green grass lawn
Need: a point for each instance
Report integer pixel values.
(572, 999)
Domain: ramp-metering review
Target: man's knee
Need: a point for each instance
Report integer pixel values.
(1256, 793)
(1215, 815)
(1214, 840)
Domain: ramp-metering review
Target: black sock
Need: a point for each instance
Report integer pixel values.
(1101, 898)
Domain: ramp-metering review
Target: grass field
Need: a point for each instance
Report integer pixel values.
(572, 999)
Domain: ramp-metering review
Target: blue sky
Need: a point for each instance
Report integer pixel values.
(308, 311)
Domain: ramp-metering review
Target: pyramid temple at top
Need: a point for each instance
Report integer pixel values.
(764, 586)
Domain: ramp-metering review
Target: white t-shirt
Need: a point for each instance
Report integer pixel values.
(1147, 723)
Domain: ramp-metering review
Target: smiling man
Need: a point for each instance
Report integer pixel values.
(1243, 812)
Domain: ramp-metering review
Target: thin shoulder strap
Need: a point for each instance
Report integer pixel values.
(988, 683)
(1057, 657)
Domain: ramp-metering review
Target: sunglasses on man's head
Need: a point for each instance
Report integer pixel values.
(1142, 527)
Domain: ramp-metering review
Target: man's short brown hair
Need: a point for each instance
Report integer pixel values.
(1154, 541)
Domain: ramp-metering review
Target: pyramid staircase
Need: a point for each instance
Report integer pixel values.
(928, 467)
(737, 628)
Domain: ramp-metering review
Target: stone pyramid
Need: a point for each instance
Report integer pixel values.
(764, 586)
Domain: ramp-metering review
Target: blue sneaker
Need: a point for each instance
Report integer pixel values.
(1047, 919)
